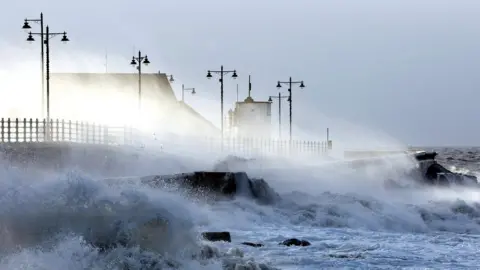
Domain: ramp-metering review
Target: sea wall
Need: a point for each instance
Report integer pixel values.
(101, 160)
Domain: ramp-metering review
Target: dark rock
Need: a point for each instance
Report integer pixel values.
(439, 175)
(295, 242)
(221, 182)
(434, 171)
(226, 184)
(262, 192)
(422, 156)
(217, 236)
(217, 182)
(252, 244)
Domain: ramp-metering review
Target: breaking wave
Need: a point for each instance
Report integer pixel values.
(75, 221)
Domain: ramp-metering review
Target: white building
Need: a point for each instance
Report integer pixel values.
(252, 119)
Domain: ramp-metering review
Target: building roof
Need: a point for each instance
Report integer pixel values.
(190, 111)
(154, 85)
(118, 92)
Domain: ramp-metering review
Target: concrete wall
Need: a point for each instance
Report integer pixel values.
(96, 160)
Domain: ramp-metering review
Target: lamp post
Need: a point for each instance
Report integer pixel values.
(169, 76)
(46, 39)
(26, 26)
(290, 83)
(187, 89)
(221, 72)
(279, 97)
(137, 61)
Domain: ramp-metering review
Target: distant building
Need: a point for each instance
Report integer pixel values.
(252, 119)
(112, 98)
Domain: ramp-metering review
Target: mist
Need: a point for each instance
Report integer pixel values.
(377, 74)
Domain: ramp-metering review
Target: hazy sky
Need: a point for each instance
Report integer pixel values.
(406, 69)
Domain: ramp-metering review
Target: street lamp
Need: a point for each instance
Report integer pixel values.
(187, 89)
(26, 26)
(169, 76)
(46, 40)
(221, 72)
(138, 61)
(290, 83)
(279, 97)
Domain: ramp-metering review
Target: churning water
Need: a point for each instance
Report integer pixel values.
(51, 220)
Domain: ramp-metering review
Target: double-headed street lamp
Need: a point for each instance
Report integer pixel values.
(290, 83)
(221, 72)
(187, 89)
(279, 97)
(138, 61)
(46, 39)
(27, 27)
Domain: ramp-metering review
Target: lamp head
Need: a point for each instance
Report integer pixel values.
(302, 85)
(234, 74)
(30, 37)
(193, 91)
(171, 78)
(279, 85)
(145, 61)
(133, 62)
(26, 26)
(64, 38)
(209, 75)
(270, 99)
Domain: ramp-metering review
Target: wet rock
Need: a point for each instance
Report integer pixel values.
(217, 236)
(252, 244)
(218, 182)
(439, 175)
(213, 184)
(223, 183)
(295, 242)
(262, 192)
(422, 156)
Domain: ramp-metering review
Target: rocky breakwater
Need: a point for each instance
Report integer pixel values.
(216, 185)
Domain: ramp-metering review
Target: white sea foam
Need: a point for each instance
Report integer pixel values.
(50, 221)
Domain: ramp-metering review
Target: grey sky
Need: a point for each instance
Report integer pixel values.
(407, 69)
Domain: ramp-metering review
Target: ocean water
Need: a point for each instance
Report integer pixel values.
(353, 221)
